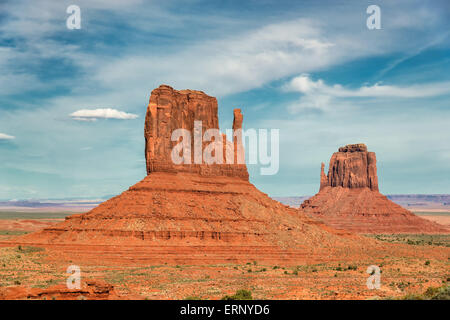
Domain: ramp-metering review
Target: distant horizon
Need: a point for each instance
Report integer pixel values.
(107, 197)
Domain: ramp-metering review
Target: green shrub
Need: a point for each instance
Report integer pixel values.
(29, 249)
(240, 295)
(432, 293)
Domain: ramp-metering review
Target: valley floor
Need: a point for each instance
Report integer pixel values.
(410, 265)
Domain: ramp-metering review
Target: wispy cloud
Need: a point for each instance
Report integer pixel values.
(107, 113)
(439, 39)
(318, 94)
(4, 136)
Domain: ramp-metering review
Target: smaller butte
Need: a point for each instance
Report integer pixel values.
(349, 198)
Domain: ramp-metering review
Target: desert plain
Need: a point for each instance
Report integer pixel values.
(410, 264)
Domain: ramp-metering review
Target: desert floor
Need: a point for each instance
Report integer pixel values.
(442, 217)
(401, 274)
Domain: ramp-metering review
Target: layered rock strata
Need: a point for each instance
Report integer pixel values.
(171, 110)
(349, 199)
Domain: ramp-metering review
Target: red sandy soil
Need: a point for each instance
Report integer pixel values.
(90, 289)
(132, 275)
(27, 224)
(443, 220)
(11, 227)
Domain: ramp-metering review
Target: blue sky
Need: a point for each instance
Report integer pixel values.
(309, 68)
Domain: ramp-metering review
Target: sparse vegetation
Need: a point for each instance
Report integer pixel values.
(240, 295)
(11, 215)
(432, 293)
(29, 249)
(442, 240)
(12, 232)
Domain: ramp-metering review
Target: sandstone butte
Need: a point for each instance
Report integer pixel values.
(192, 214)
(349, 198)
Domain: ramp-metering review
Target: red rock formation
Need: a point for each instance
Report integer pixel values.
(348, 198)
(353, 167)
(323, 177)
(90, 289)
(169, 110)
(195, 213)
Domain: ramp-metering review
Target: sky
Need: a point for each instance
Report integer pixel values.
(73, 101)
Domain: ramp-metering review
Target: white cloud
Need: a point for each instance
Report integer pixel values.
(107, 113)
(317, 94)
(4, 136)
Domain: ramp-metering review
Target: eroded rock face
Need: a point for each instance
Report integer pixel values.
(352, 167)
(90, 289)
(169, 110)
(349, 199)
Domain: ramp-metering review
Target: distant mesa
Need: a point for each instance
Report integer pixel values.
(349, 199)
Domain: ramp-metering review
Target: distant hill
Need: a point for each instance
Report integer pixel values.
(292, 201)
(72, 205)
(422, 201)
(414, 202)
